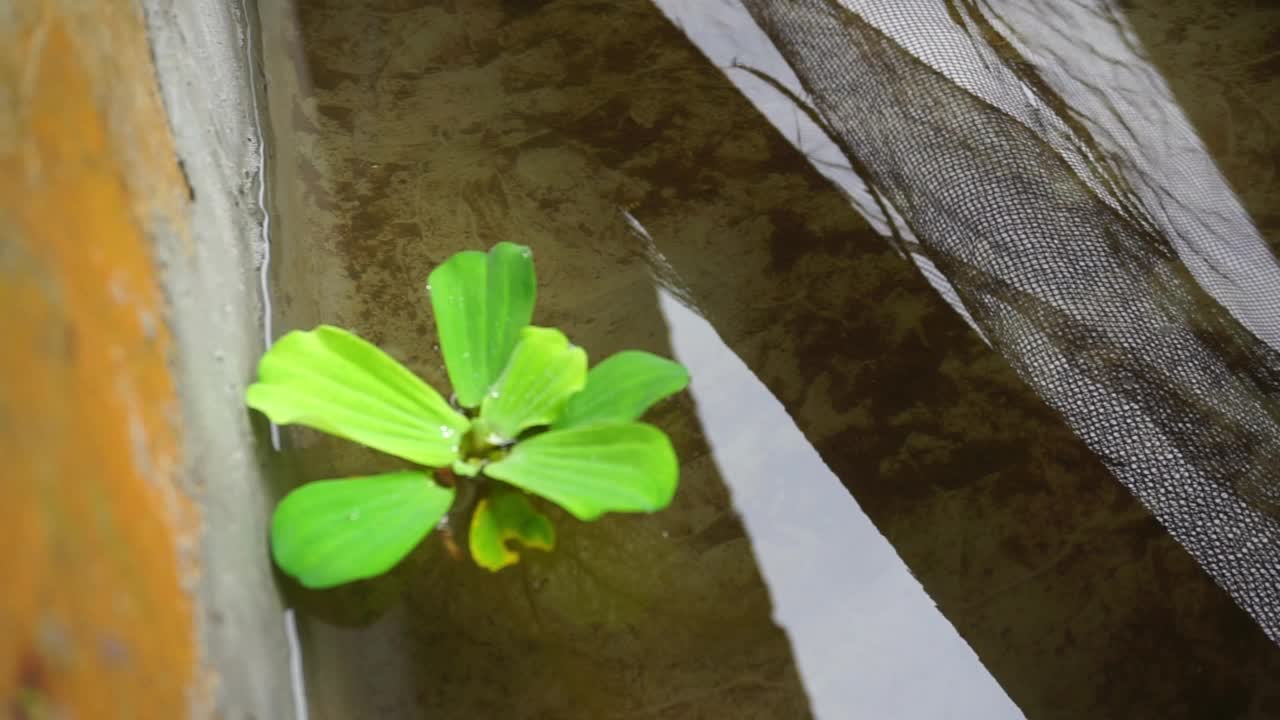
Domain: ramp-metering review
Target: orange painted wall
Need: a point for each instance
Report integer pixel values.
(94, 618)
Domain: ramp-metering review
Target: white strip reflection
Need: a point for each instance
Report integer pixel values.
(867, 639)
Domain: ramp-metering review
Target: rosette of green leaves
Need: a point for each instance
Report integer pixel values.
(528, 414)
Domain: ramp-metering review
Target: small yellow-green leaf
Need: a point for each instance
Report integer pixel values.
(503, 517)
(481, 303)
(543, 372)
(330, 532)
(622, 388)
(332, 380)
(595, 469)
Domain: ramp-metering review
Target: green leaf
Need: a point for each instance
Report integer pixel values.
(595, 469)
(505, 516)
(481, 303)
(458, 300)
(332, 380)
(467, 468)
(512, 290)
(330, 532)
(544, 371)
(622, 388)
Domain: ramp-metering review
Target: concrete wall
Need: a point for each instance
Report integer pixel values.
(135, 577)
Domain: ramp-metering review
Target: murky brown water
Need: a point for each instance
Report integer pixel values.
(876, 518)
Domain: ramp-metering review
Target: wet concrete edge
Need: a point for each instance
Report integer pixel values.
(202, 53)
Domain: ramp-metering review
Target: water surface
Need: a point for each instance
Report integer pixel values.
(876, 517)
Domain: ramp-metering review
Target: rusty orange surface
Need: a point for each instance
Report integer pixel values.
(94, 618)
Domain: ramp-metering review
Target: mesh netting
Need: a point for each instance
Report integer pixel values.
(1086, 275)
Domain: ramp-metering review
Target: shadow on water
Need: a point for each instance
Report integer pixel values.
(848, 444)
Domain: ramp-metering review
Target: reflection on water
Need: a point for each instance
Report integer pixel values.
(918, 534)
(866, 636)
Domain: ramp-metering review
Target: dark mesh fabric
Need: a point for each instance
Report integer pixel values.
(1064, 267)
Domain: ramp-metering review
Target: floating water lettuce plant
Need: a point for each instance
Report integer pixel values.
(527, 418)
